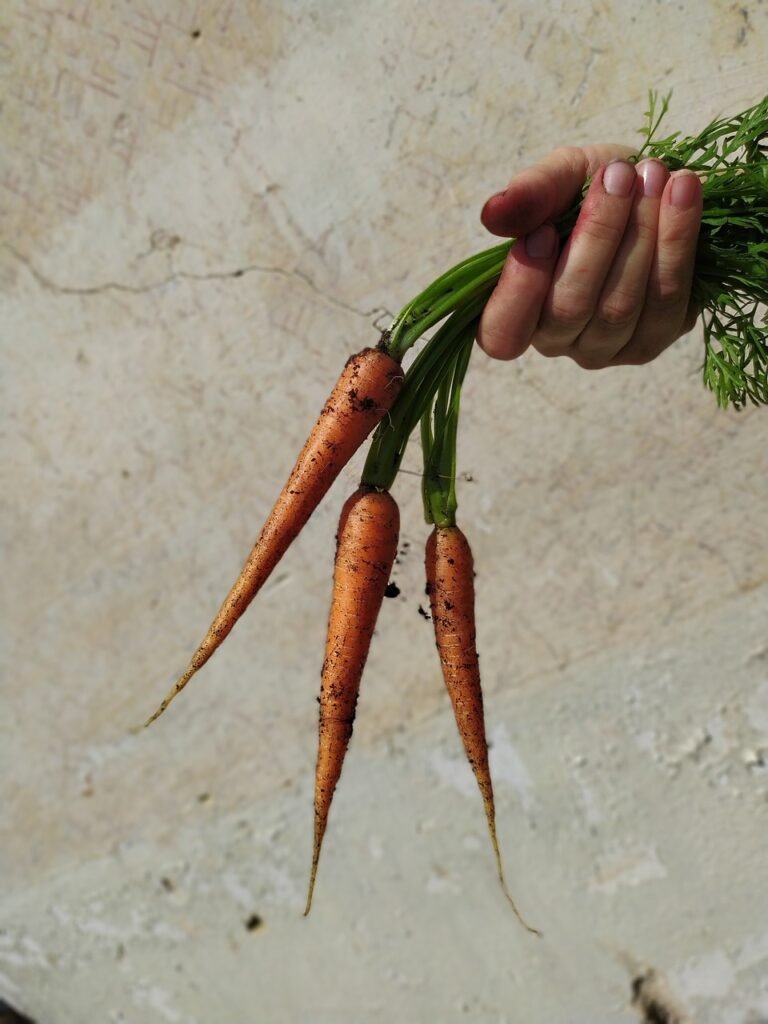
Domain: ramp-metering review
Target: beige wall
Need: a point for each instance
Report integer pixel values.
(206, 207)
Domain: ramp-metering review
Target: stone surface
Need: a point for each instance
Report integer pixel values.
(206, 207)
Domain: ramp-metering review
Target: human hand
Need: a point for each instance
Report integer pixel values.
(619, 291)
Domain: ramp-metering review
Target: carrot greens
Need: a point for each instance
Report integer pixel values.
(730, 282)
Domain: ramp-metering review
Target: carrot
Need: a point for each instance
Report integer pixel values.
(365, 551)
(365, 391)
(451, 589)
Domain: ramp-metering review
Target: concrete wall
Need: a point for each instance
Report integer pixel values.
(207, 205)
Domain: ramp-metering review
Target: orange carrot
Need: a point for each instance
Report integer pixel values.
(365, 391)
(366, 546)
(451, 589)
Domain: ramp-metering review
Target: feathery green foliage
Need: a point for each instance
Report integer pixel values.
(731, 276)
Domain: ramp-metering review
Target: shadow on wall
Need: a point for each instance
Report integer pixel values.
(654, 1001)
(10, 1016)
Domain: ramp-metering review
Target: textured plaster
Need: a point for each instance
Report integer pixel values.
(206, 206)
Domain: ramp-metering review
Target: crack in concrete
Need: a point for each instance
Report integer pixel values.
(50, 285)
(594, 53)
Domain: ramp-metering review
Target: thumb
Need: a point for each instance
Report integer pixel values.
(546, 190)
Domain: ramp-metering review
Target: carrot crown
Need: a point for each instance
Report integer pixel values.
(432, 366)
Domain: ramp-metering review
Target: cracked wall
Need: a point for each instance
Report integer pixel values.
(206, 207)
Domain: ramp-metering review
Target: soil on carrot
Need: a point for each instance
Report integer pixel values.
(364, 406)
(361, 405)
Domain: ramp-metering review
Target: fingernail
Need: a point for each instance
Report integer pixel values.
(684, 192)
(496, 195)
(540, 244)
(618, 178)
(654, 175)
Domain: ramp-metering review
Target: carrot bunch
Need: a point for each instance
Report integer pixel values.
(373, 389)
(373, 393)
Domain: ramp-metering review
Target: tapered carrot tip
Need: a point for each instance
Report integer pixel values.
(311, 890)
(319, 833)
(178, 686)
(312, 877)
(505, 890)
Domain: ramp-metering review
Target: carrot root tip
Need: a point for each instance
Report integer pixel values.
(308, 907)
(518, 915)
(312, 877)
(178, 686)
(505, 889)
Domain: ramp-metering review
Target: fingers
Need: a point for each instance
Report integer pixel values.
(619, 292)
(551, 303)
(623, 292)
(512, 313)
(668, 312)
(587, 258)
(545, 191)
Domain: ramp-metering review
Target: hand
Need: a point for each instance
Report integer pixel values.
(619, 291)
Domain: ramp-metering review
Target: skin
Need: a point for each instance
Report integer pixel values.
(618, 292)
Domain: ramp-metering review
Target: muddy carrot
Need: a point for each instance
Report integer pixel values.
(365, 551)
(365, 391)
(451, 589)
(450, 581)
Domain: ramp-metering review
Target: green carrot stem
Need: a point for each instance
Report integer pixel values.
(440, 457)
(427, 441)
(450, 292)
(421, 384)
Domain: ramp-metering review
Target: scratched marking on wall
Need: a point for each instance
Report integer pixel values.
(88, 84)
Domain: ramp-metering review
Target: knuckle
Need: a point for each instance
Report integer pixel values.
(666, 297)
(669, 287)
(645, 233)
(674, 266)
(680, 231)
(604, 232)
(573, 156)
(549, 349)
(588, 360)
(618, 310)
(496, 345)
(569, 312)
(496, 340)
